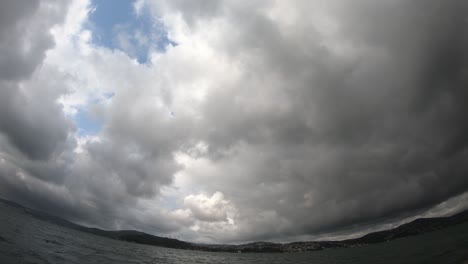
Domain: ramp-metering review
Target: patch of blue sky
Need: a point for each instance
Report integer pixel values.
(86, 123)
(116, 25)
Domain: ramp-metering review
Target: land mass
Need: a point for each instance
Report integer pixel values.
(418, 226)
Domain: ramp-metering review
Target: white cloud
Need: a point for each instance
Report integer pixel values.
(138, 6)
(209, 209)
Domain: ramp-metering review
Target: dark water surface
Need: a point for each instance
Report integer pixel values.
(24, 239)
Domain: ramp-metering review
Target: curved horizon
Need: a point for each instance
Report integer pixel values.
(222, 121)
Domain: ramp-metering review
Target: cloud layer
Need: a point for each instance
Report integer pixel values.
(259, 120)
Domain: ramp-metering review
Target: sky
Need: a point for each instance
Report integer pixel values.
(221, 121)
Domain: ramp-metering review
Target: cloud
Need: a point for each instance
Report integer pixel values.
(24, 37)
(299, 118)
(341, 108)
(209, 209)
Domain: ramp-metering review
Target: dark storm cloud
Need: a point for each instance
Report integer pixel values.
(344, 139)
(34, 127)
(22, 43)
(141, 174)
(34, 141)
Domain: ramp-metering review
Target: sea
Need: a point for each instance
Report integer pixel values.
(24, 239)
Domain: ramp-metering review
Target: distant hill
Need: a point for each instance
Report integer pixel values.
(126, 235)
(418, 226)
